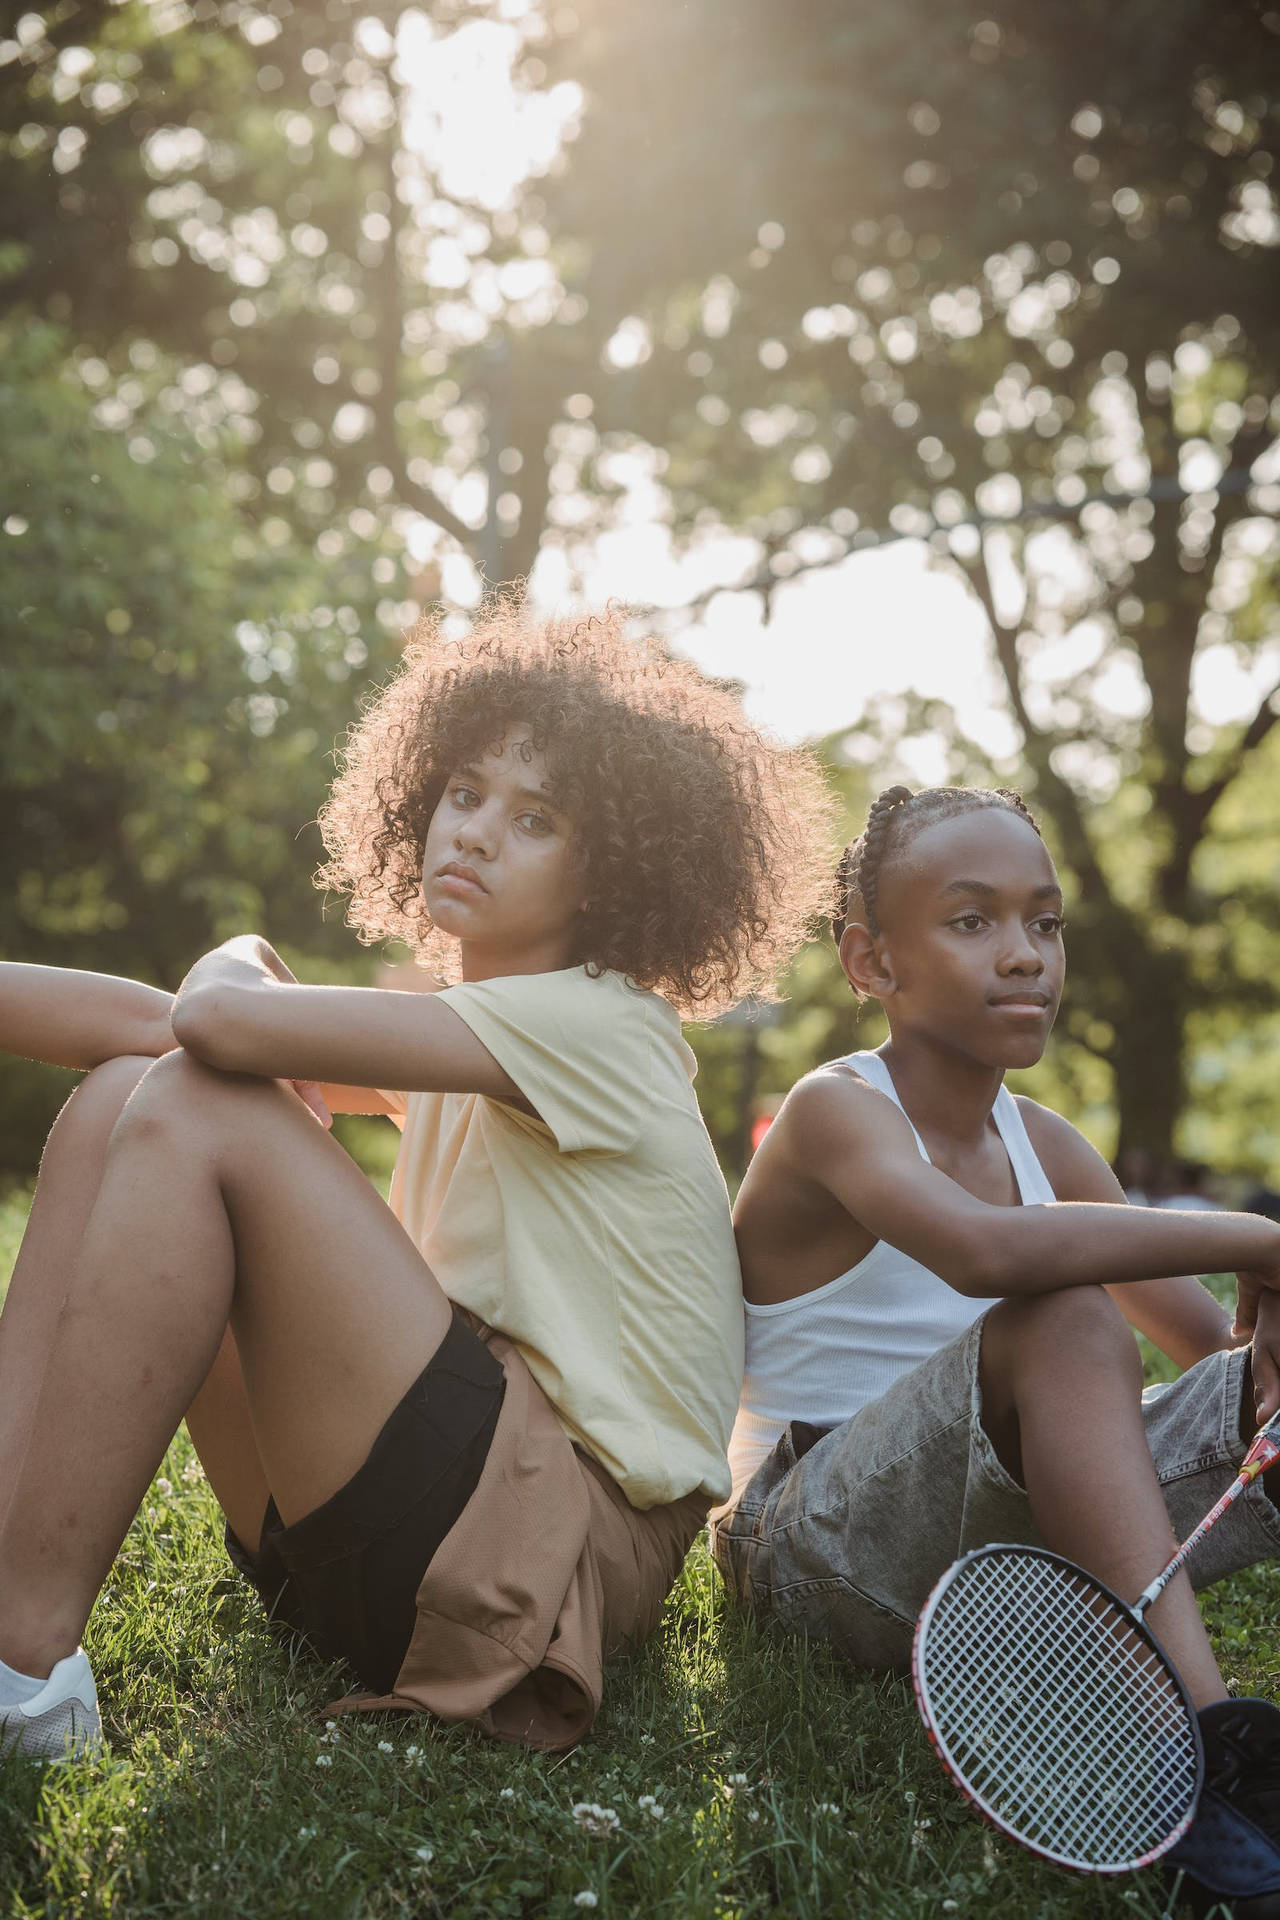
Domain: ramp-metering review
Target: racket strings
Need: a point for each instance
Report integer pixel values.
(1062, 1719)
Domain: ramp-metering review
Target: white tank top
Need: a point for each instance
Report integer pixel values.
(829, 1352)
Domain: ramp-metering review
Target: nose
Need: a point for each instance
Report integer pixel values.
(475, 832)
(1019, 953)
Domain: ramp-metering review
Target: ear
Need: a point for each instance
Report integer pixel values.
(866, 963)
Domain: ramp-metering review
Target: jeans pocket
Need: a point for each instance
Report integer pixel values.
(834, 1610)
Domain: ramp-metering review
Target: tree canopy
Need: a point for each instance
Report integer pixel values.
(999, 279)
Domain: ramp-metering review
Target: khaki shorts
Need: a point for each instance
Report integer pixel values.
(842, 1532)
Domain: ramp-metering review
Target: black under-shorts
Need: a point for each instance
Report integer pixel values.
(345, 1577)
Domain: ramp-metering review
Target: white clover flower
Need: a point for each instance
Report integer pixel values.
(192, 1472)
(737, 1780)
(331, 1726)
(385, 1746)
(585, 1899)
(950, 1906)
(648, 1803)
(754, 1815)
(164, 1486)
(425, 1854)
(413, 1753)
(595, 1819)
(646, 1739)
(324, 1759)
(829, 1806)
(306, 1833)
(508, 1793)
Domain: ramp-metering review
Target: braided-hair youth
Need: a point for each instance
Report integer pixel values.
(897, 815)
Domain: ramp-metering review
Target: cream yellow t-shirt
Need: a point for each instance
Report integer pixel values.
(597, 1236)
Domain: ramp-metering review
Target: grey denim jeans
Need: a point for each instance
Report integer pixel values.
(842, 1532)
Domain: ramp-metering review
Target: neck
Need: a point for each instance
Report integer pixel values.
(498, 963)
(945, 1094)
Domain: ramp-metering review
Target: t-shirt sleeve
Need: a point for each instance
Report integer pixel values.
(578, 1048)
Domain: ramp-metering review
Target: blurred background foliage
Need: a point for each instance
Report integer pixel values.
(999, 278)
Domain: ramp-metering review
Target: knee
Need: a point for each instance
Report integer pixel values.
(97, 1103)
(180, 1095)
(174, 1089)
(1075, 1322)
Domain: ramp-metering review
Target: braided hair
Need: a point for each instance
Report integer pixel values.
(897, 815)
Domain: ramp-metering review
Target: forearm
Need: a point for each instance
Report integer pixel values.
(1179, 1315)
(1039, 1249)
(72, 1019)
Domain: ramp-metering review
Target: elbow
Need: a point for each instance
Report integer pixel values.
(976, 1268)
(200, 1027)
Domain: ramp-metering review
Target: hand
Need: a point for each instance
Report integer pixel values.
(1264, 1357)
(270, 961)
(308, 1091)
(1251, 1285)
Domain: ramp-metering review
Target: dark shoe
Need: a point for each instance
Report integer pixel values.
(1230, 1856)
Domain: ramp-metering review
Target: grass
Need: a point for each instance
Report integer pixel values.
(746, 1776)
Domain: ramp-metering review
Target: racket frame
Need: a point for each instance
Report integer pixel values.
(951, 1767)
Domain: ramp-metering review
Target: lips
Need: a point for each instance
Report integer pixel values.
(1030, 1001)
(455, 870)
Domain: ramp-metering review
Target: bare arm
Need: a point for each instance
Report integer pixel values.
(855, 1143)
(238, 1010)
(1178, 1314)
(71, 1019)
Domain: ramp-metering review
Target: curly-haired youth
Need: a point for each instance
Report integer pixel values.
(704, 841)
(897, 815)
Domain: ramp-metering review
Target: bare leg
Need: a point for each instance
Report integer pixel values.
(221, 1428)
(71, 1170)
(70, 1173)
(221, 1199)
(1061, 1394)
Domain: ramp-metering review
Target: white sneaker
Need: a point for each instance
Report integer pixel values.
(62, 1721)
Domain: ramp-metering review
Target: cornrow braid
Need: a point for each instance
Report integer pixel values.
(875, 834)
(1019, 806)
(858, 875)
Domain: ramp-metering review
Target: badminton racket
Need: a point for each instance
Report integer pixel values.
(1052, 1705)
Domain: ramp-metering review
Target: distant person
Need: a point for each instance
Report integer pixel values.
(463, 1441)
(937, 1350)
(1188, 1189)
(766, 1114)
(1138, 1172)
(1264, 1200)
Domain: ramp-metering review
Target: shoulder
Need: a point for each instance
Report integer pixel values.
(569, 993)
(835, 1103)
(1074, 1168)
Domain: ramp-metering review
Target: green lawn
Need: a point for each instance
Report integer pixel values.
(734, 1775)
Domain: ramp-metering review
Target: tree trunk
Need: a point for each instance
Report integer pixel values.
(1149, 1057)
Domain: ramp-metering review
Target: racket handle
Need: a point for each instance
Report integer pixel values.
(1264, 1452)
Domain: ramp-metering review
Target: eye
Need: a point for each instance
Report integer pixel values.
(1049, 923)
(535, 823)
(463, 796)
(971, 922)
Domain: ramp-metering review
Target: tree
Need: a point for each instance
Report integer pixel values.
(166, 735)
(1002, 279)
(249, 189)
(998, 278)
